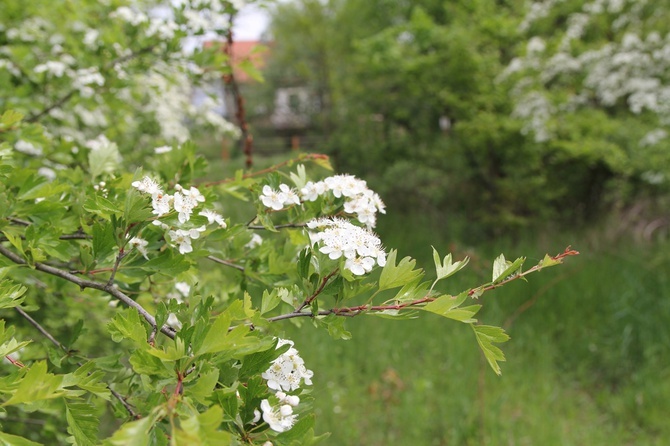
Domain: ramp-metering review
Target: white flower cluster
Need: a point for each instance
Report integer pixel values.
(360, 200)
(337, 238)
(285, 374)
(278, 199)
(183, 202)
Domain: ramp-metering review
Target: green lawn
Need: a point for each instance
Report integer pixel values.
(588, 362)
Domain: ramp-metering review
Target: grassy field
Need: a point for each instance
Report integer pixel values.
(588, 362)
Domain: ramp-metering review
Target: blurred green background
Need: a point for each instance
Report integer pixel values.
(419, 99)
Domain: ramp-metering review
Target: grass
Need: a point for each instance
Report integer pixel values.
(588, 361)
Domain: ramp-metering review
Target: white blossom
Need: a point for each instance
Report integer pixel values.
(280, 419)
(272, 198)
(337, 238)
(288, 370)
(213, 217)
(140, 244)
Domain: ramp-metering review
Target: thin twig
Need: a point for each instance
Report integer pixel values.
(41, 329)
(83, 283)
(286, 225)
(226, 262)
(318, 291)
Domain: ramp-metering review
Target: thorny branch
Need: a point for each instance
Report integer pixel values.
(354, 311)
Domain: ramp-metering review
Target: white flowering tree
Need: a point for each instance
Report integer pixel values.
(134, 310)
(592, 84)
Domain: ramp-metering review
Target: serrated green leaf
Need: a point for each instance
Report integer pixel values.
(447, 268)
(37, 385)
(133, 433)
(104, 241)
(82, 423)
(393, 276)
(450, 307)
(128, 325)
(549, 261)
(486, 336)
(11, 294)
(270, 300)
(203, 386)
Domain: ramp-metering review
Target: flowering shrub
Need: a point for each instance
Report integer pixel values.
(134, 309)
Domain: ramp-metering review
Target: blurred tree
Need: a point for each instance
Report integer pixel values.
(428, 100)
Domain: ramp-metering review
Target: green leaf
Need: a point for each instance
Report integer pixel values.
(88, 378)
(15, 440)
(450, 307)
(128, 325)
(270, 300)
(11, 294)
(105, 159)
(102, 207)
(504, 268)
(335, 325)
(304, 261)
(133, 433)
(247, 66)
(168, 263)
(9, 118)
(37, 385)
(257, 363)
(486, 336)
(446, 268)
(82, 423)
(393, 276)
(104, 240)
(202, 429)
(203, 386)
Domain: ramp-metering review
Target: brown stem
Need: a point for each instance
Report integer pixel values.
(240, 112)
(318, 291)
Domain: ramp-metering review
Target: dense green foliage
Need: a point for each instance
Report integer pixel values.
(528, 137)
(139, 303)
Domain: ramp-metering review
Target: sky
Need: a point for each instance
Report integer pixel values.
(250, 23)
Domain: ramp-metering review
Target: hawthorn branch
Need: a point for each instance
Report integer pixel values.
(356, 310)
(318, 291)
(286, 225)
(108, 288)
(226, 262)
